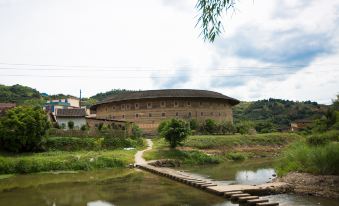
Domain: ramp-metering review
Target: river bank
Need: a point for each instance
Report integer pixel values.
(211, 149)
(315, 185)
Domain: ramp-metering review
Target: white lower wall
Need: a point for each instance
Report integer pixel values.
(78, 121)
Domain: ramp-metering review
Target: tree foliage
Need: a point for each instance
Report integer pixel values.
(18, 94)
(210, 16)
(275, 114)
(174, 131)
(22, 129)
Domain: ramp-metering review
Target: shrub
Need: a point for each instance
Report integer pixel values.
(84, 127)
(162, 125)
(245, 127)
(118, 142)
(136, 131)
(175, 131)
(193, 124)
(71, 143)
(324, 138)
(302, 157)
(70, 125)
(22, 129)
(209, 126)
(226, 127)
(236, 156)
(265, 127)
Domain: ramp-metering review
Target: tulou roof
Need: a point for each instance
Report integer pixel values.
(70, 112)
(167, 93)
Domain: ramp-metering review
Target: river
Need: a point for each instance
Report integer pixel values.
(134, 187)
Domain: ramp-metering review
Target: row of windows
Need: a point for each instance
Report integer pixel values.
(189, 114)
(149, 105)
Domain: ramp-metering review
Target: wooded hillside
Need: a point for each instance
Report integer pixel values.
(277, 111)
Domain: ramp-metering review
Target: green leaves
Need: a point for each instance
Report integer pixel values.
(22, 129)
(174, 131)
(210, 14)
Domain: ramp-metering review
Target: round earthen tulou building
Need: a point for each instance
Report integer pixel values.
(148, 108)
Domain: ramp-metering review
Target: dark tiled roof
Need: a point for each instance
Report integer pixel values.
(167, 93)
(70, 113)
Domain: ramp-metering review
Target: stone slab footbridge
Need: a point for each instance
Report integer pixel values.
(243, 194)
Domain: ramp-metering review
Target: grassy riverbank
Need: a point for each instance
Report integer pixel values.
(73, 153)
(208, 149)
(302, 157)
(161, 151)
(61, 160)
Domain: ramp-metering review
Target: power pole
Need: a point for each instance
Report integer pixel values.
(80, 100)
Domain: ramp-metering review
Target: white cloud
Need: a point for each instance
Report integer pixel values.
(139, 38)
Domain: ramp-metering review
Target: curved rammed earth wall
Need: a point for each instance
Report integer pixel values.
(148, 113)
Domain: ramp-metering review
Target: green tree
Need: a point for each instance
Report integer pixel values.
(70, 125)
(175, 131)
(22, 129)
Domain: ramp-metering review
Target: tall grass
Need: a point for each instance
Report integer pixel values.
(161, 151)
(302, 157)
(54, 161)
(217, 141)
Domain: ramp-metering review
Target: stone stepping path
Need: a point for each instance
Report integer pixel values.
(236, 193)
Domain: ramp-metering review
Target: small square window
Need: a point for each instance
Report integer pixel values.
(122, 106)
(149, 105)
(136, 115)
(127, 106)
(201, 113)
(177, 114)
(113, 107)
(176, 104)
(163, 114)
(188, 103)
(123, 116)
(150, 114)
(136, 106)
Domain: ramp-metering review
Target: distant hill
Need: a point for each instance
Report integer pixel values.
(101, 96)
(277, 111)
(18, 94)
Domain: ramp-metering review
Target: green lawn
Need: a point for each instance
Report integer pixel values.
(62, 160)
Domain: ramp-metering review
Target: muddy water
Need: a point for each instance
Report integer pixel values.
(100, 188)
(132, 187)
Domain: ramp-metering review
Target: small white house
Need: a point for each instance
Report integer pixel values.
(63, 116)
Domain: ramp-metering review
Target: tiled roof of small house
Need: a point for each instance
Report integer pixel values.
(167, 93)
(70, 112)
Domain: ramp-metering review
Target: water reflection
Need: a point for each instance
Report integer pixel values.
(99, 203)
(254, 177)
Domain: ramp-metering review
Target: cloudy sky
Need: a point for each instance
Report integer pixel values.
(285, 49)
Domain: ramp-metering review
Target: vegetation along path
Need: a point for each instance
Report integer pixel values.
(240, 193)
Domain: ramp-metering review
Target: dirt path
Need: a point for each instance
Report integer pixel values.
(138, 156)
